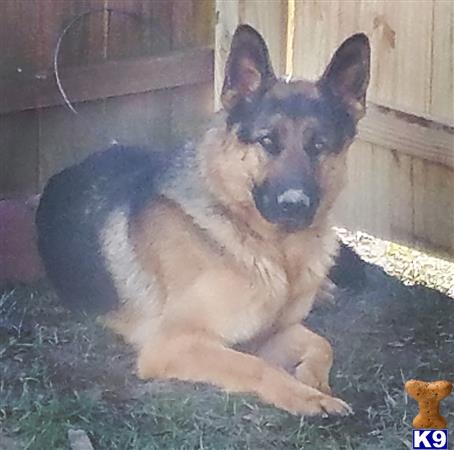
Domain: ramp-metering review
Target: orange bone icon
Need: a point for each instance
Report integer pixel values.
(429, 395)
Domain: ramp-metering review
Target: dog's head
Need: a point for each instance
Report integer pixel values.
(285, 147)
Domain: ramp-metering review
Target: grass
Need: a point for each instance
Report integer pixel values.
(59, 371)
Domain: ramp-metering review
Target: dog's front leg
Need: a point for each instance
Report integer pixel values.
(201, 358)
(301, 352)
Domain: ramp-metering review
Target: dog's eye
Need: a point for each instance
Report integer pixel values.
(317, 145)
(269, 145)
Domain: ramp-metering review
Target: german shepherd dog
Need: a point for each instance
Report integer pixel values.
(207, 263)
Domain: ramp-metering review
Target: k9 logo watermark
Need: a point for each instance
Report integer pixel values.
(430, 439)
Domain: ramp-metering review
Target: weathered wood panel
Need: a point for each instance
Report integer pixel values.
(442, 81)
(144, 28)
(125, 120)
(402, 52)
(401, 185)
(398, 197)
(433, 206)
(193, 24)
(133, 72)
(19, 156)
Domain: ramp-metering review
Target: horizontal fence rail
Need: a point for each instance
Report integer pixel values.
(110, 79)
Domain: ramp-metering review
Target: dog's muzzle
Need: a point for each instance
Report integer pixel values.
(293, 208)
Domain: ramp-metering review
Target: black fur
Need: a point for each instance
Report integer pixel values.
(349, 270)
(73, 209)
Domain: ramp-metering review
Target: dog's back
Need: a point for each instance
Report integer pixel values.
(74, 207)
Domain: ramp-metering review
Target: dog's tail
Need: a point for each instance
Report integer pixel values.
(74, 212)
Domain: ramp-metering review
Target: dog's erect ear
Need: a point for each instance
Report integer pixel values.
(248, 71)
(347, 75)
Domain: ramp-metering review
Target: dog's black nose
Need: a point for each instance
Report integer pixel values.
(293, 199)
(293, 206)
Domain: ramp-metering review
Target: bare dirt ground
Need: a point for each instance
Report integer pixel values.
(59, 372)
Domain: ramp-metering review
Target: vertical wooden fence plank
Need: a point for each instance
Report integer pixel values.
(227, 19)
(192, 24)
(413, 47)
(19, 152)
(317, 34)
(442, 80)
(144, 29)
(433, 187)
(374, 20)
(192, 106)
(271, 22)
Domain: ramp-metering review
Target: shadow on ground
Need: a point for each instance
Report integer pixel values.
(58, 372)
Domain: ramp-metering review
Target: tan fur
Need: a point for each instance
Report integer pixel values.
(242, 282)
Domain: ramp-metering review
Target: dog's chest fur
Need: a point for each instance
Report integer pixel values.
(213, 272)
(231, 283)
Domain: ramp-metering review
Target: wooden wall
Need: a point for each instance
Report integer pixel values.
(401, 168)
(147, 79)
(142, 75)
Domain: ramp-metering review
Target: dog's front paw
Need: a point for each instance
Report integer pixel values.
(319, 405)
(307, 401)
(313, 377)
(335, 406)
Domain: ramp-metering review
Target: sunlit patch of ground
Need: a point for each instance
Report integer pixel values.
(407, 264)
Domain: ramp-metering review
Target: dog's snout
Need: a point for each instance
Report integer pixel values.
(294, 204)
(294, 198)
(290, 206)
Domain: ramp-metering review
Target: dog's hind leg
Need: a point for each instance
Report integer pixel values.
(201, 358)
(301, 352)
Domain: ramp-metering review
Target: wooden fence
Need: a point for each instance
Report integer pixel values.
(147, 80)
(401, 169)
(139, 75)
